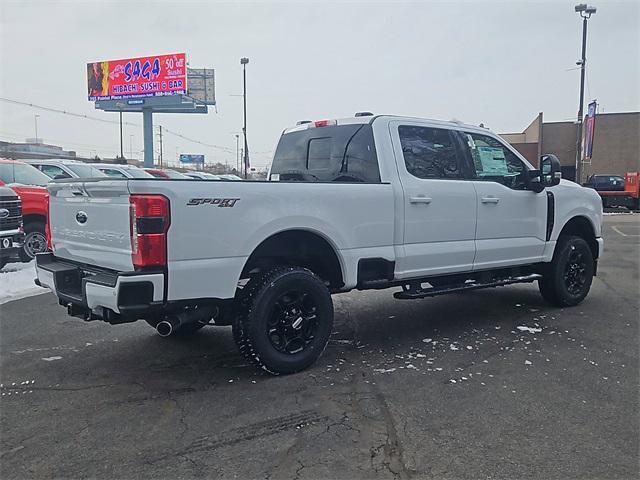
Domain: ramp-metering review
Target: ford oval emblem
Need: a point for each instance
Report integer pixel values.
(4, 213)
(81, 217)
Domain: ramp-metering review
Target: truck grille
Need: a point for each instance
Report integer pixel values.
(14, 219)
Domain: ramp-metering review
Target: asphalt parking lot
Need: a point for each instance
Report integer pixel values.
(486, 384)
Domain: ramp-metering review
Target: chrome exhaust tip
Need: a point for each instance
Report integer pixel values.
(165, 328)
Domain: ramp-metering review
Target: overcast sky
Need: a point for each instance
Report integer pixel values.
(499, 63)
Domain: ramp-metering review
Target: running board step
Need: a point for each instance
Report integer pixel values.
(410, 294)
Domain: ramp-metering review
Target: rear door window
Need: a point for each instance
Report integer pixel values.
(341, 153)
(430, 152)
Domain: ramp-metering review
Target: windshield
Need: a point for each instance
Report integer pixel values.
(23, 174)
(84, 171)
(138, 173)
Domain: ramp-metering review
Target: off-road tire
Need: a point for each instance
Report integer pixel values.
(554, 284)
(255, 306)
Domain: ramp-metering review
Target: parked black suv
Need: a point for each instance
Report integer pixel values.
(605, 183)
(11, 233)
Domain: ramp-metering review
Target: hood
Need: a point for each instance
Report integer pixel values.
(569, 183)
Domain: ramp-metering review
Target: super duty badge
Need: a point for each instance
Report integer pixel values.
(220, 202)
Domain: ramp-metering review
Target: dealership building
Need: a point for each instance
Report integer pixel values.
(616, 144)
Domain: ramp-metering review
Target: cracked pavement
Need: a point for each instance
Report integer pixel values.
(447, 387)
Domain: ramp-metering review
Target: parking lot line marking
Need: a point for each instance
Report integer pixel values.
(622, 233)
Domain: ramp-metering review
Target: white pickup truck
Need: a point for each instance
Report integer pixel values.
(369, 202)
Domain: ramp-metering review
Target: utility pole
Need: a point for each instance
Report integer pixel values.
(121, 145)
(243, 62)
(585, 12)
(160, 157)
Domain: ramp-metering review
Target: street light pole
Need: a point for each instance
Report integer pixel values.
(585, 12)
(237, 153)
(243, 62)
(121, 146)
(35, 118)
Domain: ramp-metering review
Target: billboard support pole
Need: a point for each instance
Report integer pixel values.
(147, 130)
(121, 146)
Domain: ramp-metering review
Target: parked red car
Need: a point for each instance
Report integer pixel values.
(30, 184)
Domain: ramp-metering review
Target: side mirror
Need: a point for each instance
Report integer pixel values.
(550, 172)
(535, 181)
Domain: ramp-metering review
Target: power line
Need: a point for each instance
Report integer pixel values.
(65, 112)
(97, 119)
(226, 149)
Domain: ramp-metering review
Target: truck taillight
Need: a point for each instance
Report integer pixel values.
(47, 227)
(150, 222)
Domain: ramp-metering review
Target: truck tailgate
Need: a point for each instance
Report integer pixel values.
(90, 223)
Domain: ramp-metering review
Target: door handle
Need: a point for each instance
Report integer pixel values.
(420, 199)
(490, 200)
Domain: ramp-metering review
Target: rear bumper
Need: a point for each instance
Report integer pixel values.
(91, 292)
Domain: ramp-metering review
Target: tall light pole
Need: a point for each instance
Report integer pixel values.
(243, 62)
(35, 118)
(131, 146)
(237, 153)
(585, 12)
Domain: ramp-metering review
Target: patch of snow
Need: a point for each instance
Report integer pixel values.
(426, 340)
(382, 370)
(16, 282)
(51, 359)
(527, 362)
(523, 328)
(453, 347)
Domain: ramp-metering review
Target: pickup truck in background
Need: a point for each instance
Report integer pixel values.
(617, 191)
(370, 202)
(29, 183)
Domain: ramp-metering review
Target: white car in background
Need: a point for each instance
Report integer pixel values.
(56, 168)
(122, 170)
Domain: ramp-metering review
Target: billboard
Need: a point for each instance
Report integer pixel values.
(589, 131)
(154, 76)
(191, 158)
